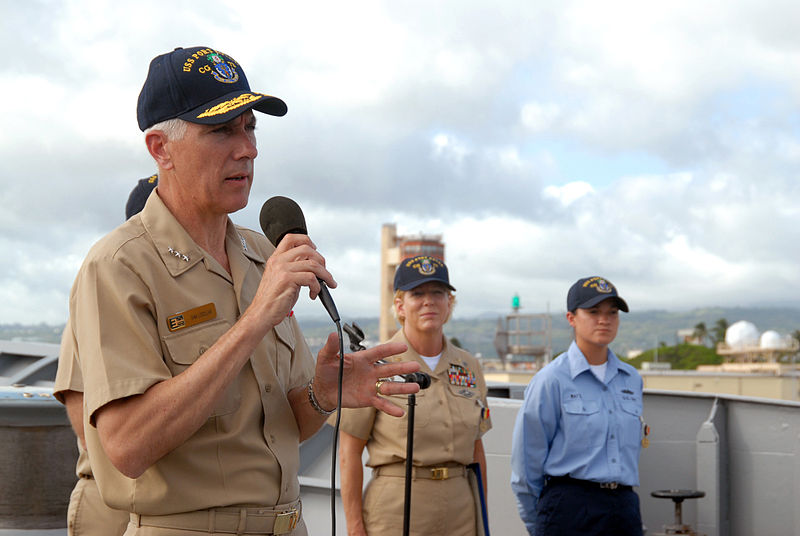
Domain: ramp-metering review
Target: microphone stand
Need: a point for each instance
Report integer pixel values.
(412, 403)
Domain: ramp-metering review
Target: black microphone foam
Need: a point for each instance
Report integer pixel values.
(420, 378)
(281, 216)
(423, 379)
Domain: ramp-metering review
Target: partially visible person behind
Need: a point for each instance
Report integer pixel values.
(139, 194)
(87, 514)
(577, 438)
(450, 418)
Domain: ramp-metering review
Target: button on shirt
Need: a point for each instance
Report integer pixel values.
(573, 424)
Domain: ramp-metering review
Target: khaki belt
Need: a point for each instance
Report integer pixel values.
(432, 472)
(281, 519)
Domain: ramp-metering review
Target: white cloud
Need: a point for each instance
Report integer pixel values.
(568, 193)
(654, 144)
(538, 117)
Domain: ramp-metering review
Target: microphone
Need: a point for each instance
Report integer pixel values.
(281, 216)
(420, 378)
(423, 379)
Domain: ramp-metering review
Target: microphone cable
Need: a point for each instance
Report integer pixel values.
(336, 428)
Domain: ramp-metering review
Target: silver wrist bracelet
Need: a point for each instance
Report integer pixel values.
(312, 398)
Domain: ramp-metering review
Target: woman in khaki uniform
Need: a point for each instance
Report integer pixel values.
(451, 416)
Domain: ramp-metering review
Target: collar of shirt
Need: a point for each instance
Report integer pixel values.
(177, 249)
(578, 363)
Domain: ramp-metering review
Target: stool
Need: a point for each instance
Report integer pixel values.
(677, 496)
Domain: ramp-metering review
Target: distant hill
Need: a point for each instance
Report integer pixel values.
(638, 331)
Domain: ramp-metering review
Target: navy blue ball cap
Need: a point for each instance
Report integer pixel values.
(199, 85)
(590, 291)
(419, 270)
(138, 196)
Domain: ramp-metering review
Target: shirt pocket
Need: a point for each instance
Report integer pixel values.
(466, 407)
(631, 420)
(185, 347)
(584, 424)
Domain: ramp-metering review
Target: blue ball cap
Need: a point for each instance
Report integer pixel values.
(199, 85)
(419, 270)
(590, 291)
(138, 196)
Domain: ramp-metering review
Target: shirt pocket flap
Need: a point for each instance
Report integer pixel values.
(185, 347)
(631, 406)
(579, 406)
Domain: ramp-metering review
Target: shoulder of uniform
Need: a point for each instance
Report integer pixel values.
(113, 243)
(628, 368)
(463, 354)
(557, 367)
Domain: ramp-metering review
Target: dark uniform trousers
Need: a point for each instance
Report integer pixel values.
(572, 508)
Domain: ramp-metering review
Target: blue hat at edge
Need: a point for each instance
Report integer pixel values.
(419, 270)
(590, 291)
(199, 85)
(138, 196)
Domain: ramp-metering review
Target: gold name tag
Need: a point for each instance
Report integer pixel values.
(192, 317)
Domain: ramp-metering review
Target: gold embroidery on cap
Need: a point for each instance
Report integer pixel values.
(227, 106)
(192, 317)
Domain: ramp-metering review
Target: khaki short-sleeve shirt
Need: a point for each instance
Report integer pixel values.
(147, 302)
(449, 417)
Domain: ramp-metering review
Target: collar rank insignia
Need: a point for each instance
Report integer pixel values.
(178, 254)
(461, 376)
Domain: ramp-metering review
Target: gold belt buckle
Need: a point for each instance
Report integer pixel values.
(286, 522)
(439, 473)
(609, 485)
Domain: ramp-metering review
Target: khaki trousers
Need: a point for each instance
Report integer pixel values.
(88, 515)
(438, 507)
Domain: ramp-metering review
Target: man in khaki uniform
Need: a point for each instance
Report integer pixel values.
(87, 514)
(198, 383)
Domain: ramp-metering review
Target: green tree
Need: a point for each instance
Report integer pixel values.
(701, 332)
(719, 330)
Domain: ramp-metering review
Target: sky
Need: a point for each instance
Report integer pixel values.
(654, 144)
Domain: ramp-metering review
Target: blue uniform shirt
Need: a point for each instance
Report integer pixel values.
(573, 424)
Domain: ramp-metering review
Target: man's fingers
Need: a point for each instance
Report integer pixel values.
(300, 255)
(384, 350)
(293, 240)
(331, 348)
(387, 407)
(391, 369)
(398, 388)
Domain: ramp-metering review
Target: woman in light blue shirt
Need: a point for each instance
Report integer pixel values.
(577, 438)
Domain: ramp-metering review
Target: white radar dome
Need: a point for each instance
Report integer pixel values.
(741, 334)
(771, 340)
